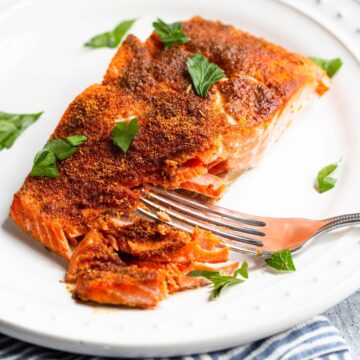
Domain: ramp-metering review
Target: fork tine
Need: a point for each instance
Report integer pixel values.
(236, 248)
(214, 230)
(199, 215)
(214, 209)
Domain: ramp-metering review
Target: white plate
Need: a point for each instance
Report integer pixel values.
(43, 66)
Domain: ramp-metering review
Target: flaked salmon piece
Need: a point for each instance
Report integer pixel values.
(128, 286)
(95, 252)
(176, 273)
(100, 275)
(189, 172)
(144, 240)
(220, 159)
(202, 246)
(196, 175)
(101, 272)
(207, 184)
(74, 233)
(212, 154)
(142, 285)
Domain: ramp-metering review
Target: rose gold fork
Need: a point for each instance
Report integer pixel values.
(241, 232)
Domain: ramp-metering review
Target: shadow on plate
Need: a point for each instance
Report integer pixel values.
(18, 235)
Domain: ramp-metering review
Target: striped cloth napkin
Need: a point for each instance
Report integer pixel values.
(316, 339)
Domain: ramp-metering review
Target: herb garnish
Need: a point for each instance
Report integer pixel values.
(65, 148)
(111, 38)
(330, 66)
(221, 282)
(45, 164)
(58, 149)
(170, 34)
(124, 133)
(281, 260)
(12, 126)
(203, 73)
(324, 181)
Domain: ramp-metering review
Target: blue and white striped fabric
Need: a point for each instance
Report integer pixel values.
(316, 339)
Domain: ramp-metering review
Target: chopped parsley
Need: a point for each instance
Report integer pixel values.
(324, 181)
(281, 260)
(221, 282)
(111, 39)
(12, 126)
(124, 133)
(330, 66)
(55, 150)
(203, 73)
(45, 164)
(170, 34)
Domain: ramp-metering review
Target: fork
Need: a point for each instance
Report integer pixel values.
(241, 232)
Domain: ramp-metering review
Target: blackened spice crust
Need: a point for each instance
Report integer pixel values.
(176, 125)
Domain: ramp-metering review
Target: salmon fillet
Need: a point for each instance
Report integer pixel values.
(88, 214)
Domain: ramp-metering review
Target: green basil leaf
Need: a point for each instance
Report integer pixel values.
(203, 73)
(170, 34)
(111, 38)
(330, 66)
(45, 164)
(221, 282)
(12, 126)
(124, 133)
(324, 181)
(281, 260)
